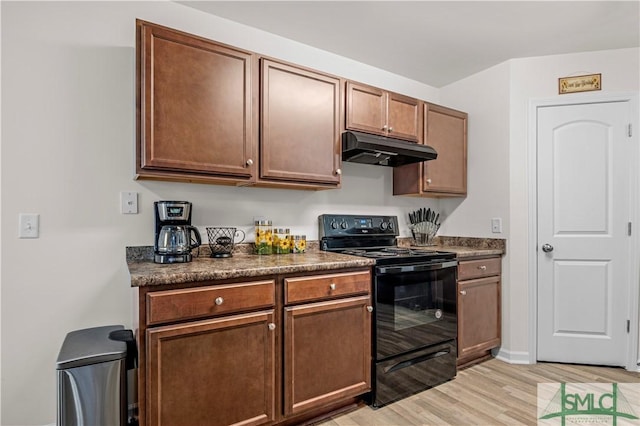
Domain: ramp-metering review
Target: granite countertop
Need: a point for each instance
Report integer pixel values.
(245, 264)
(462, 252)
(464, 246)
(241, 265)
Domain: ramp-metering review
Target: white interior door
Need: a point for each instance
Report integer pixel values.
(583, 179)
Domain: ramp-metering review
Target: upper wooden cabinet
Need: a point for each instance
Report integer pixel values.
(196, 115)
(376, 111)
(445, 129)
(299, 126)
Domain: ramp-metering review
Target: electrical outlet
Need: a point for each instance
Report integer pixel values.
(496, 225)
(29, 226)
(129, 202)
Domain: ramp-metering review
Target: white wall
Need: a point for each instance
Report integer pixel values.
(485, 97)
(68, 136)
(497, 101)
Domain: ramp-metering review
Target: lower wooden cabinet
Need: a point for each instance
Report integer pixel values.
(327, 353)
(479, 309)
(234, 353)
(213, 372)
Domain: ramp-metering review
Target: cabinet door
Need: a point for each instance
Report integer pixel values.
(404, 117)
(446, 131)
(479, 325)
(300, 125)
(214, 372)
(196, 112)
(366, 109)
(327, 351)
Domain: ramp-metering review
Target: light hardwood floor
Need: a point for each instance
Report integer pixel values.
(491, 393)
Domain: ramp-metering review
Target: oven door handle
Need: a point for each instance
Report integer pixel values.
(416, 268)
(414, 361)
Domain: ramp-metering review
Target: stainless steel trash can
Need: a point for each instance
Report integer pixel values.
(92, 379)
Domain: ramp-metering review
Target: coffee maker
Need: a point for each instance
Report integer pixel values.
(175, 237)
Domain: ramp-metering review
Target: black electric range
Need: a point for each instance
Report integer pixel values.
(414, 326)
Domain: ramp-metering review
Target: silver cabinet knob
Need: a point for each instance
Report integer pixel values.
(463, 292)
(332, 286)
(384, 127)
(338, 171)
(428, 181)
(219, 301)
(271, 326)
(547, 248)
(249, 162)
(391, 129)
(482, 267)
(370, 308)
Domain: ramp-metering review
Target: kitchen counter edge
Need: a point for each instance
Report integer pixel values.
(467, 252)
(148, 273)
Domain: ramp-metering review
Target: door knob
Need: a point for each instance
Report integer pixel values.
(547, 248)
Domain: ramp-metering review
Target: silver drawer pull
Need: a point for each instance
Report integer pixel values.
(482, 267)
(219, 301)
(271, 326)
(370, 308)
(463, 292)
(332, 286)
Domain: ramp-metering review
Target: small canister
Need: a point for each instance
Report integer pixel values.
(264, 236)
(299, 243)
(282, 241)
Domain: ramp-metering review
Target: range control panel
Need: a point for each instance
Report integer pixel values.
(344, 225)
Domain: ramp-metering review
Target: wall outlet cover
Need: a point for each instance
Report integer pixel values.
(129, 202)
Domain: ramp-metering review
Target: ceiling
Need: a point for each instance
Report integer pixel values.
(439, 42)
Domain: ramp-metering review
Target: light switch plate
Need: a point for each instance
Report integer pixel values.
(129, 202)
(496, 225)
(29, 225)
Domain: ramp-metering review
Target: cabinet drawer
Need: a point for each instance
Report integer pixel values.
(318, 287)
(184, 304)
(470, 269)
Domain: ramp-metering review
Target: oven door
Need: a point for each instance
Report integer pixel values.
(415, 307)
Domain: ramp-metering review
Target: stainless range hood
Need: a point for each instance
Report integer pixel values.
(363, 148)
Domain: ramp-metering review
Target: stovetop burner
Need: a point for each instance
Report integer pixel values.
(388, 255)
(373, 237)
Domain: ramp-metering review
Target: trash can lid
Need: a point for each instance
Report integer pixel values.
(90, 346)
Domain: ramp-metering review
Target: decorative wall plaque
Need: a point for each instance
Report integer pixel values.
(580, 83)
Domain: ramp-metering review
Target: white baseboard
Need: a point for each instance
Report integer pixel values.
(513, 357)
